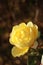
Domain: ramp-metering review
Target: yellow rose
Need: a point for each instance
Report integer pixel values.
(23, 37)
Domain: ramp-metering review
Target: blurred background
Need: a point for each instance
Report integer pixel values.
(13, 12)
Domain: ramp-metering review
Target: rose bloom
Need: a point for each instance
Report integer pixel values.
(23, 37)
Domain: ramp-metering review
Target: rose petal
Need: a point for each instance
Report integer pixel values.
(16, 52)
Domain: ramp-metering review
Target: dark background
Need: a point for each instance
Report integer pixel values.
(13, 12)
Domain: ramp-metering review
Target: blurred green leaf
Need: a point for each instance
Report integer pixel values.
(34, 56)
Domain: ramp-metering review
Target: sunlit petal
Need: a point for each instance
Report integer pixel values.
(16, 52)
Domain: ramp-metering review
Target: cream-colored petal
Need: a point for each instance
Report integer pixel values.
(35, 45)
(30, 24)
(17, 52)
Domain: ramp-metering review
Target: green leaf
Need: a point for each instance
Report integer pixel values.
(34, 56)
